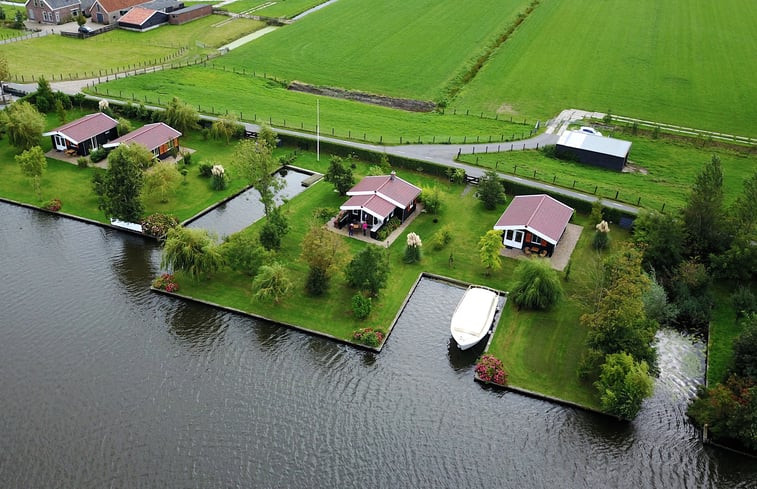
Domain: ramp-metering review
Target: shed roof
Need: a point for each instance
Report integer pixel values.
(390, 187)
(84, 128)
(372, 204)
(151, 136)
(56, 4)
(137, 16)
(596, 144)
(540, 214)
(114, 5)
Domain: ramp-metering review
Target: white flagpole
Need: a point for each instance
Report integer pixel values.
(318, 130)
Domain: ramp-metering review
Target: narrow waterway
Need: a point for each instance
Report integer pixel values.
(105, 384)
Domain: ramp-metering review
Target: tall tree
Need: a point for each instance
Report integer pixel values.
(225, 127)
(193, 251)
(339, 175)
(744, 210)
(254, 161)
(33, 165)
(181, 116)
(703, 216)
(24, 124)
(324, 252)
(490, 190)
(661, 237)
(489, 247)
(162, 180)
(272, 283)
(537, 285)
(118, 188)
(274, 228)
(369, 270)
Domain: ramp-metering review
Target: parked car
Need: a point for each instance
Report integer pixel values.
(589, 130)
(85, 29)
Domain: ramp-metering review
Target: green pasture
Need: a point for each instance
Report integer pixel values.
(265, 100)
(9, 33)
(687, 62)
(395, 47)
(280, 8)
(119, 49)
(724, 329)
(672, 167)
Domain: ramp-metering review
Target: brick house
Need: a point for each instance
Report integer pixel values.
(53, 11)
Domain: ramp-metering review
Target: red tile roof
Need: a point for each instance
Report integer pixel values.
(373, 204)
(87, 127)
(115, 5)
(389, 187)
(151, 136)
(137, 16)
(540, 214)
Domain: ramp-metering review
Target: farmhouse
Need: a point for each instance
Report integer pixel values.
(377, 199)
(158, 138)
(594, 150)
(52, 11)
(534, 223)
(83, 135)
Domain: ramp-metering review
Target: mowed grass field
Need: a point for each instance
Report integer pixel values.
(395, 47)
(672, 168)
(267, 101)
(117, 49)
(688, 62)
(272, 8)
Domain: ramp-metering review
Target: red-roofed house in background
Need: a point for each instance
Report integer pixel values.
(158, 138)
(377, 199)
(534, 223)
(83, 135)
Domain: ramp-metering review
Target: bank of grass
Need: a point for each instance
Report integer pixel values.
(679, 62)
(262, 100)
(286, 9)
(118, 49)
(400, 48)
(724, 328)
(672, 167)
(72, 185)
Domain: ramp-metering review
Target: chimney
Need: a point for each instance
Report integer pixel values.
(391, 175)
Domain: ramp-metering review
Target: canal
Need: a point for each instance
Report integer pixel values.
(105, 384)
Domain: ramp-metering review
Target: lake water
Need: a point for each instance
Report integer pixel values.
(104, 384)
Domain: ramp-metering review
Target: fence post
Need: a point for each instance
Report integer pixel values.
(616, 194)
(663, 207)
(638, 202)
(595, 189)
(553, 179)
(574, 184)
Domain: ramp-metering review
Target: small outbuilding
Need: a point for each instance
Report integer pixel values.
(377, 199)
(189, 14)
(81, 136)
(534, 223)
(594, 150)
(158, 138)
(142, 19)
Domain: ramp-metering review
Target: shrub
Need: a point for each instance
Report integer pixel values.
(491, 193)
(272, 283)
(166, 282)
(98, 154)
(186, 158)
(441, 238)
(431, 199)
(219, 179)
(744, 302)
(317, 282)
(369, 336)
(413, 250)
(745, 349)
(600, 241)
(274, 229)
(158, 224)
(490, 369)
(623, 385)
(82, 162)
(324, 214)
(244, 253)
(361, 306)
(53, 205)
(537, 285)
(206, 170)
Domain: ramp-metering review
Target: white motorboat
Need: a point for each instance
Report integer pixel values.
(473, 316)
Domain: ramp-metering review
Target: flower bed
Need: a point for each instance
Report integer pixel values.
(369, 336)
(489, 369)
(53, 205)
(166, 282)
(158, 224)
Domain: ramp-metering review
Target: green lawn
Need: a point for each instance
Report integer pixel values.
(724, 328)
(688, 62)
(260, 99)
(272, 8)
(672, 168)
(396, 47)
(119, 49)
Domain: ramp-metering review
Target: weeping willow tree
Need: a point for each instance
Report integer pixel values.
(192, 251)
(537, 285)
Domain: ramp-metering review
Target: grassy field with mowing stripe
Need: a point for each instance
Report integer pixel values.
(396, 47)
(269, 8)
(56, 55)
(688, 62)
(672, 168)
(261, 99)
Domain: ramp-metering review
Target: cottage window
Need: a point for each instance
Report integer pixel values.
(74, 13)
(518, 236)
(509, 235)
(535, 239)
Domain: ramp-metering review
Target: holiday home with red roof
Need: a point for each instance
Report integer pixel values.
(534, 223)
(157, 138)
(81, 136)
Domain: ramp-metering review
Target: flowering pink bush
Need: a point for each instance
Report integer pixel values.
(166, 282)
(53, 205)
(368, 336)
(489, 369)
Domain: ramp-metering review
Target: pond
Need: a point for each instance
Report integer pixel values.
(105, 384)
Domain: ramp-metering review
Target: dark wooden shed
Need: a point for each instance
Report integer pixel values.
(594, 150)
